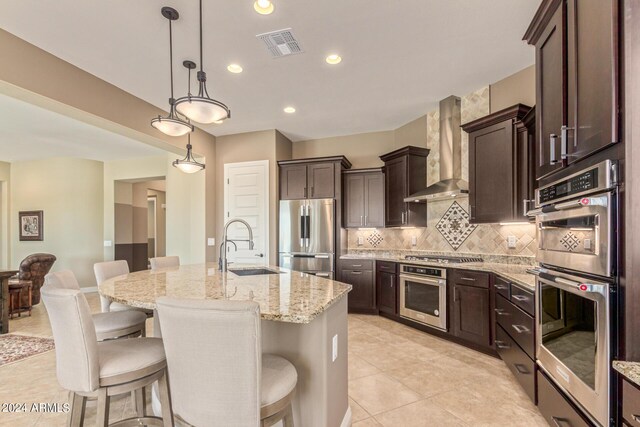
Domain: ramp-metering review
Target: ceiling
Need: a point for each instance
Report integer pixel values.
(29, 132)
(399, 57)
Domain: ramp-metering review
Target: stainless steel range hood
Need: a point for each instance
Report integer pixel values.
(451, 184)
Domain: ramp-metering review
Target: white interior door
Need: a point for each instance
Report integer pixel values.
(246, 196)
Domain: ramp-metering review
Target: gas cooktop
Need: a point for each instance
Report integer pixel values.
(442, 259)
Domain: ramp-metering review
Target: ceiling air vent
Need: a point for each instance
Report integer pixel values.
(280, 43)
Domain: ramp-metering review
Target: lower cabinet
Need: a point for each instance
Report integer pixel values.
(360, 275)
(630, 404)
(387, 287)
(470, 306)
(518, 362)
(555, 408)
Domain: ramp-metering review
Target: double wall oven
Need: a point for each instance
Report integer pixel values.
(576, 283)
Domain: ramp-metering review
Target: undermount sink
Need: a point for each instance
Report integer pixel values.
(252, 271)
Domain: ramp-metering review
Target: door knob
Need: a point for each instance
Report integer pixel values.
(260, 255)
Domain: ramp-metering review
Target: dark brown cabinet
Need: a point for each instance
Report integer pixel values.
(360, 275)
(364, 198)
(405, 173)
(555, 408)
(576, 80)
(471, 306)
(499, 153)
(387, 287)
(630, 403)
(318, 178)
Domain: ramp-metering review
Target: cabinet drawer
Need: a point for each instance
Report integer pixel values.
(523, 299)
(386, 266)
(520, 364)
(503, 287)
(555, 408)
(478, 279)
(518, 324)
(630, 404)
(356, 264)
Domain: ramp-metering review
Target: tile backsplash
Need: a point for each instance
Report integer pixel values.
(448, 228)
(453, 234)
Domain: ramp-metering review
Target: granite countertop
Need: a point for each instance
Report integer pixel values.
(290, 296)
(630, 370)
(513, 272)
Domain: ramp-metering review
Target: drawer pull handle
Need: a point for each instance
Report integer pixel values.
(521, 329)
(356, 272)
(560, 422)
(502, 345)
(636, 418)
(502, 287)
(470, 279)
(522, 369)
(500, 312)
(520, 297)
(356, 265)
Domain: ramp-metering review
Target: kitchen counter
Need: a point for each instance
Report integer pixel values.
(285, 297)
(303, 316)
(515, 273)
(630, 370)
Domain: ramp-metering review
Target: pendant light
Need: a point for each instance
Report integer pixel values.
(171, 125)
(201, 108)
(189, 164)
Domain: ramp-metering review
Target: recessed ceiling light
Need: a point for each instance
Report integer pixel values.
(289, 110)
(234, 68)
(333, 59)
(263, 7)
(218, 122)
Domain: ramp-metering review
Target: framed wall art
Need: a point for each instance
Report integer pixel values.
(31, 225)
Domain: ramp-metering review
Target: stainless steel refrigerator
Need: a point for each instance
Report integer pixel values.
(307, 236)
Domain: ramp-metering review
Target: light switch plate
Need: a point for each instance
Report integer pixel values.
(108, 243)
(414, 240)
(334, 347)
(511, 242)
(211, 241)
(360, 240)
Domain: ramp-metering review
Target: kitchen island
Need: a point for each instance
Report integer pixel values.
(301, 315)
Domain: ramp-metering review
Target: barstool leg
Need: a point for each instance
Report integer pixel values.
(287, 420)
(140, 401)
(102, 419)
(165, 400)
(76, 414)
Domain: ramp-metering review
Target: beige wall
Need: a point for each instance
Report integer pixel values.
(72, 212)
(363, 149)
(36, 76)
(518, 88)
(5, 173)
(413, 133)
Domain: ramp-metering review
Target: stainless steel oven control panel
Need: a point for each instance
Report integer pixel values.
(599, 177)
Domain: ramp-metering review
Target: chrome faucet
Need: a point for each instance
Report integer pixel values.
(226, 240)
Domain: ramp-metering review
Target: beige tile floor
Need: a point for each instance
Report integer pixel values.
(398, 377)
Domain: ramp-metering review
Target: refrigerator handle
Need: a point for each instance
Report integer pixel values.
(302, 226)
(308, 226)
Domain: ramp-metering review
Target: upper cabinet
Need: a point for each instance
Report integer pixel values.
(311, 178)
(577, 102)
(363, 198)
(405, 172)
(500, 176)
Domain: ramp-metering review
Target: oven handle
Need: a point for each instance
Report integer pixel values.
(423, 280)
(570, 285)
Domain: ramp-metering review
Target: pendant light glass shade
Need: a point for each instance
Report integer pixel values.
(171, 125)
(201, 108)
(189, 164)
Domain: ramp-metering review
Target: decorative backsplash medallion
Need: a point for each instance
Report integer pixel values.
(454, 225)
(375, 238)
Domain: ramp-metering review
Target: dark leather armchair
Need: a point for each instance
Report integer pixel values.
(33, 268)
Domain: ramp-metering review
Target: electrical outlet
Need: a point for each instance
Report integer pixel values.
(334, 348)
(414, 240)
(360, 240)
(211, 241)
(511, 242)
(108, 243)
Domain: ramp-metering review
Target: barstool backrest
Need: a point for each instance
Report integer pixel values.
(214, 356)
(64, 279)
(164, 262)
(105, 271)
(77, 364)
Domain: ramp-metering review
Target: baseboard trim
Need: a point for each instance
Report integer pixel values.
(89, 289)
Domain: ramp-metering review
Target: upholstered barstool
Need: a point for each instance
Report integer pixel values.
(219, 376)
(92, 369)
(110, 325)
(108, 270)
(164, 262)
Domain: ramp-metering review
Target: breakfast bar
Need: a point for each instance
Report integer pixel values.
(304, 319)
